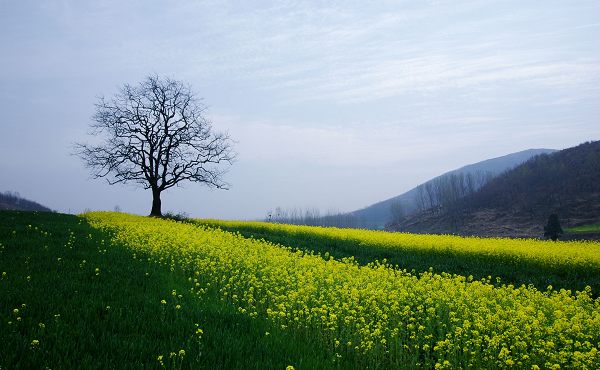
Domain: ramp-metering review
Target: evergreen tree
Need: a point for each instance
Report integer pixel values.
(552, 229)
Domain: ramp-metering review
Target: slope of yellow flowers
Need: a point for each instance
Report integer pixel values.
(388, 317)
(572, 253)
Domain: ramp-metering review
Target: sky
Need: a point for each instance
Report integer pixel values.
(332, 104)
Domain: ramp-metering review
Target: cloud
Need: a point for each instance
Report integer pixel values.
(343, 54)
(444, 73)
(350, 145)
(355, 54)
(393, 92)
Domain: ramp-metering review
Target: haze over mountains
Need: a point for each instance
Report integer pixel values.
(379, 214)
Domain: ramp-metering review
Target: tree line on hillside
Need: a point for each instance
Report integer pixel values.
(444, 191)
(441, 194)
(565, 184)
(545, 183)
(313, 217)
(12, 200)
(432, 196)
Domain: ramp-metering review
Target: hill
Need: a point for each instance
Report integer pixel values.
(518, 202)
(379, 214)
(13, 201)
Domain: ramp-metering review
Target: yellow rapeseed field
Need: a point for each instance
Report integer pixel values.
(573, 253)
(388, 317)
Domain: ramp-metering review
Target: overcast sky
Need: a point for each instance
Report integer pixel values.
(334, 105)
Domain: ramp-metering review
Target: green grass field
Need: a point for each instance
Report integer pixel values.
(594, 228)
(71, 299)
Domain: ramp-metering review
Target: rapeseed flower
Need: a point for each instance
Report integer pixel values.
(384, 314)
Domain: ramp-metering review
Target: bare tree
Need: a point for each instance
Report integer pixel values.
(313, 217)
(155, 134)
(397, 212)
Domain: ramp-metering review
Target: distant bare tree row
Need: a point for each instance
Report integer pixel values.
(313, 217)
(444, 191)
(13, 196)
(13, 200)
(398, 212)
(432, 196)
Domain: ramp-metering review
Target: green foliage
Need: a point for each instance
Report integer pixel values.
(181, 216)
(552, 229)
(593, 228)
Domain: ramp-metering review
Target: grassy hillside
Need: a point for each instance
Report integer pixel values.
(70, 298)
(569, 265)
(594, 228)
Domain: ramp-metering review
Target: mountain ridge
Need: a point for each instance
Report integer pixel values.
(379, 214)
(13, 201)
(518, 202)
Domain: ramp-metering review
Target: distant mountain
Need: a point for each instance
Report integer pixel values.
(519, 201)
(13, 201)
(379, 214)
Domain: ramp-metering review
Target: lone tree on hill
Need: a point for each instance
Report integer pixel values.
(155, 134)
(552, 229)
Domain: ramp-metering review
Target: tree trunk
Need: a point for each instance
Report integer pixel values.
(156, 205)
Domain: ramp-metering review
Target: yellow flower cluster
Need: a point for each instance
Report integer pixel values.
(381, 314)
